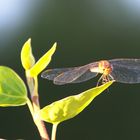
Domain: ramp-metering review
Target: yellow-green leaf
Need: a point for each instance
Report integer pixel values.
(43, 62)
(70, 106)
(12, 89)
(27, 58)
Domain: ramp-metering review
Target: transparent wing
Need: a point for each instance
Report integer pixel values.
(63, 76)
(50, 74)
(74, 76)
(126, 70)
(85, 77)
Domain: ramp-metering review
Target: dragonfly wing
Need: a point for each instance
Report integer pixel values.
(76, 75)
(126, 70)
(61, 76)
(126, 62)
(50, 74)
(86, 76)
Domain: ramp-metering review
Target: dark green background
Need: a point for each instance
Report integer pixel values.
(86, 31)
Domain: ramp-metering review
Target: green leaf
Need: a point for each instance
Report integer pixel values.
(12, 89)
(43, 62)
(70, 106)
(27, 58)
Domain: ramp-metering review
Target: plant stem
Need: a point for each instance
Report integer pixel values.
(54, 129)
(30, 107)
(42, 129)
(35, 107)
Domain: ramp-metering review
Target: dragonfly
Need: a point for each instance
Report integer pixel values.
(121, 70)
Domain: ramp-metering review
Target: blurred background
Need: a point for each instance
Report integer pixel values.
(86, 31)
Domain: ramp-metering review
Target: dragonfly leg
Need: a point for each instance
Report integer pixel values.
(100, 79)
(105, 79)
(111, 77)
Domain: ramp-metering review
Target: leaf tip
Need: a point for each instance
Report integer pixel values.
(29, 40)
(54, 47)
(27, 57)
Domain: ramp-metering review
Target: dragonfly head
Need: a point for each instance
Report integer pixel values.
(105, 67)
